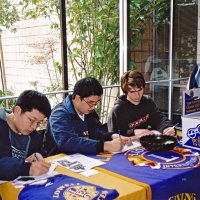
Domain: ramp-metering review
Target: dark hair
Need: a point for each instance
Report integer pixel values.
(132, 78)
(31, 99)
(86, 87)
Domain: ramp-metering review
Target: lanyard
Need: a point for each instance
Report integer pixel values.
(27, 145)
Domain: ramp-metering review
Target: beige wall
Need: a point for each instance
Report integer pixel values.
(22, 66)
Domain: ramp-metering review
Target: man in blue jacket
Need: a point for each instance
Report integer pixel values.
(75, 126)
(19, 140)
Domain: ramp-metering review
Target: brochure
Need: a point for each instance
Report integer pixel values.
(78, 162)
(134, 145)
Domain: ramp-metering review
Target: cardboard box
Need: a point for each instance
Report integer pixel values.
(191, 131)
(191, 118)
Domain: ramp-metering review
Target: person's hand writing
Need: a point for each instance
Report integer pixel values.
(38, 168)
(113, 146)
(34, 157)
(124, 140)
(169, 131)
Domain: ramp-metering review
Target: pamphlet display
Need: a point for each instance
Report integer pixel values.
(191, 118)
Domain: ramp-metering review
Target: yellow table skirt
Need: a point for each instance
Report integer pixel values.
(127, 189)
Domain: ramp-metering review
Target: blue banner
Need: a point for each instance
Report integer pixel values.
(62, 187)
(171, 175)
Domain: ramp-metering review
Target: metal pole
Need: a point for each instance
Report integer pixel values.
(170, 60)
(63, 44)
(123, 66)
(121, 38)
(125, 27)
(128, 35)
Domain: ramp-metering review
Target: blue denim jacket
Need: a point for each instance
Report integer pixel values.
(72, 135)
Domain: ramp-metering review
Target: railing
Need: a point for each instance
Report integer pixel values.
(109, 96)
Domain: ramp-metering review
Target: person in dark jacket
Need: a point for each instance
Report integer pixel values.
(19, 140)
(135, 113)
(75, 126)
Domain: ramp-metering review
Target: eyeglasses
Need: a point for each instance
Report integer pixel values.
(92, 103)
(33, 121)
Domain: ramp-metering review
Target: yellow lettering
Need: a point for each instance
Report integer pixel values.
(194, 142)
(198, 141)
(184, 196)
(103, 195)
(187, 196)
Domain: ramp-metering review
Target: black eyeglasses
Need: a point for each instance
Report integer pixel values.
(92, 104)
(33, 121)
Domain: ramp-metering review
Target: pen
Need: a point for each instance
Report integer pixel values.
(172, 128)
(119, 134)
(36, 157)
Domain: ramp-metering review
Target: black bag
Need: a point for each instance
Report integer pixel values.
(49, 147)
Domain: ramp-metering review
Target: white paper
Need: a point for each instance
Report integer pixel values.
(89, 172)
(78, 162)
(22, 180)
(52, 168)
(1, 182)
(126, 147)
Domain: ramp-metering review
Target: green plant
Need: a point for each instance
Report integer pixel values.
(9, 103)
(8, 15)
(93, 51)
(93, 32)
(93, 25)
(144, 11)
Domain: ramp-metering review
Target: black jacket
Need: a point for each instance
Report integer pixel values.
(127, 117)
